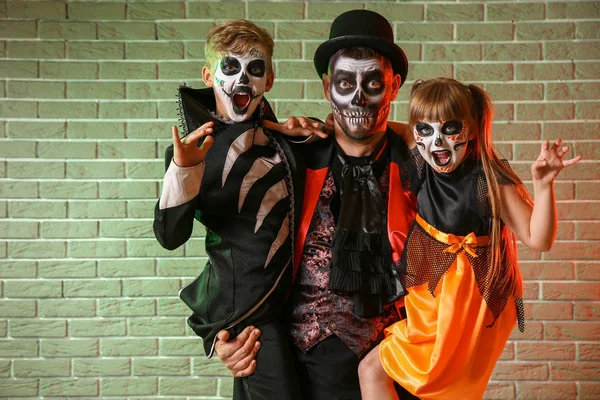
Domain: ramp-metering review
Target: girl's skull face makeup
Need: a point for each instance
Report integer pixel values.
(360, 95)
(240, 83)
(442, 144)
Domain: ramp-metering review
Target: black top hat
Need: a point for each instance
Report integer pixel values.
(361, 28)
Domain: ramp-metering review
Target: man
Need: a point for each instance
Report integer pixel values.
(355, 216)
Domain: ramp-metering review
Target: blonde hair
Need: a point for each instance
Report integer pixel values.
(443, 99)
(237, 37)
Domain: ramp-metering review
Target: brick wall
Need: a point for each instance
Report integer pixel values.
(88, 299)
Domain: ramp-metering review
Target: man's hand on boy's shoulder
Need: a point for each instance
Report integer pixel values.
(186, 152)
(298, 127)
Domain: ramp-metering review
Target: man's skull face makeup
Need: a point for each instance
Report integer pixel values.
(360, 95)
(442, 144)
(240, 83)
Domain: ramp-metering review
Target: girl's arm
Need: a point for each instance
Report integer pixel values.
(536, 227)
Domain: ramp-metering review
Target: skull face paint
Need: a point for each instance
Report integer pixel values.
(361, 91)
(240, 83)
(442, 144)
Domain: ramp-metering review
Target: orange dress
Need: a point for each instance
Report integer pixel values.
(449, 343)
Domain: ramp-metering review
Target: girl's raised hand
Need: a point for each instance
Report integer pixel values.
(550, 161)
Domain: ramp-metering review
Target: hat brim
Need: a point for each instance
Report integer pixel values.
(389, 49)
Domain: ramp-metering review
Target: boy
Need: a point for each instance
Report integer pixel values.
(242, 190)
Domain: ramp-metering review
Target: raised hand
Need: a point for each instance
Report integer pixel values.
(550, 162)
(185, 151)
(297, 126)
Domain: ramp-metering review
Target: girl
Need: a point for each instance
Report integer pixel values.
(464, 285)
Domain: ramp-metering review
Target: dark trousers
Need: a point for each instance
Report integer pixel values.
(329, 371)
(275, 377)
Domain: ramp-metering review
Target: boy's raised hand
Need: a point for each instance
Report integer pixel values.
(185, 151)
(297, 126)
(550, 161)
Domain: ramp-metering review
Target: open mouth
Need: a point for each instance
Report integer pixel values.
(441, 157)
(241, 100)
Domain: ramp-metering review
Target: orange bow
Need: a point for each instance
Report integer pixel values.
(465, 243)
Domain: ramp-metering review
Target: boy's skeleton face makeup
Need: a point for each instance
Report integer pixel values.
(361, 92)
(442, 144)
(240, 83)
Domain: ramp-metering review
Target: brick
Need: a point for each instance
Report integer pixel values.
(534, 351)
(167, 109)
(127, 110)
(68, 70)
(161, 366)
(182, 70)
(95, 169)
(302, 31)
(545, 31)
(17, 309)
(96, 248)
(139, 209)
(69, 387)
(584, 371)
(546, 390)
(216, 10)
(587, 310)
(145, 169)
(587, 110)
(96, 90)
(184, 267)
(226, 387)
(17, 149)
(153, 11)
(67, 30)
(18, 348)
(483, 32)
(512, 51)
(514, 12)
(545, 111)
(92, 288)
(18, 388)
(511, 370)
(97, 209)
(537, 310)
(574, 9)
(571, 50)
(588, 351)
(286, 109)
(127, 149)
(572, 90)
(96, 50)
(15, 229)
(452, 52)
(173, 30)
(129, 347)
(126, 229)
(188, 386)
(151, 287)
(329, 11)
(68, 190)
(36, 249)
(128, 190)
(101, 367)
(18, 109)
(18, 69)
(587, 70)
(100, 11)
(97, 327)
(172, 307)
(154, 50)
(38, 328)
(422, 32)
(67, 268)
(587, 230)
(580, 171)
(129, 386)
(32, 288)
(126, 268)
(587, 271)
(20, 29)
(35, 49)
(36, 130)
(126, 31)
(157, 327)
(41, 367)
(66, 149)
(454, 12)
(66, 308)
(552, 71)
(194, 50)
(5, 368)
(127, 70)
(571, 130)
(67, 109)
(69, 229)
(484, 72)
(70, 347)
(95, 130)
(126, 307)
(587, 30)
(531, 290)
(187, 347)
(209, 367)
(515, 91)
(287, 50)
(588, 390)
(274, 11)
(46, 10)
(17, 269)
(584, 330)
(499, 390)
(587, 191)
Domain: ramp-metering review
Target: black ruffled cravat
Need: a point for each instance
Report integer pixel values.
(362, 255)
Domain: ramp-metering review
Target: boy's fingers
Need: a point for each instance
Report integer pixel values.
(544, 145)
(175, 134)
(208, 142)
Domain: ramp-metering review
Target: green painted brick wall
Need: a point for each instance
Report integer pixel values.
(88, 299)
